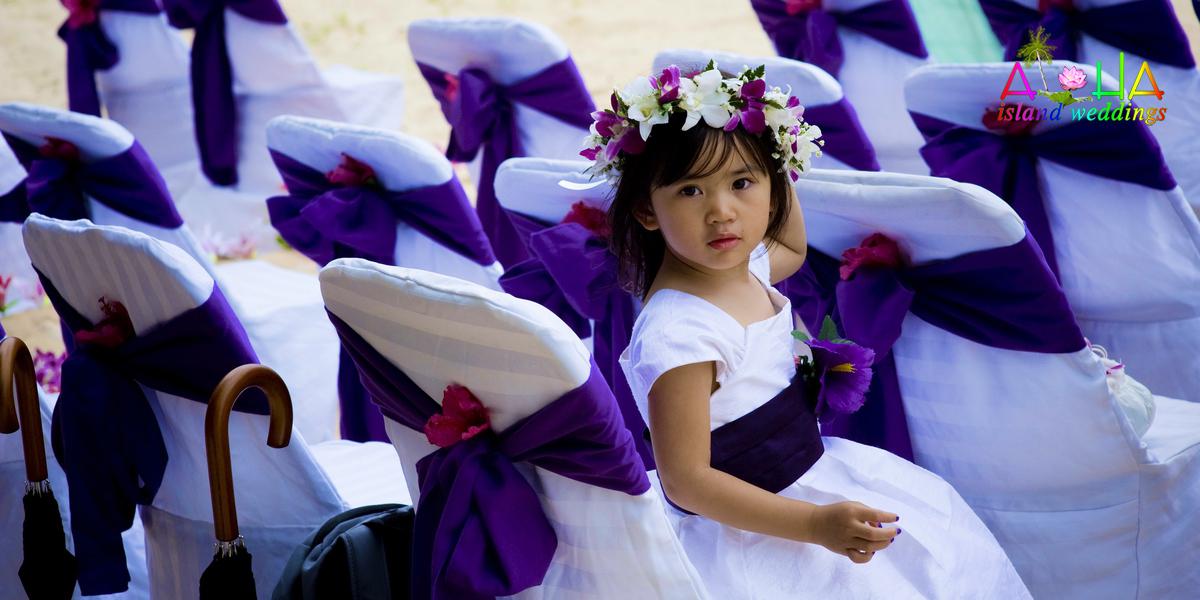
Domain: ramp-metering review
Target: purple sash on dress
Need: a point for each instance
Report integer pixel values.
(811, 34)
(216, 113)
(1003, 297)
(1006, 165)
(325, 221)
(89, 50)
(104, 432)
(1147, 28)
(846, 139)
(480, 112)
(572, 273)
(773, 445)
(128, 183)
(481, 531)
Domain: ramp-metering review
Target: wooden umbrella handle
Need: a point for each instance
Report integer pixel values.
(216, 436)
(16, 366)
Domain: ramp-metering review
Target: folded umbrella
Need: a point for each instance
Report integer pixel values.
(230, 575)
(48, 570)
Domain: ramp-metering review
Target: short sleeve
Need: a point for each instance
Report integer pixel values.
(676, 329)
(760, 264)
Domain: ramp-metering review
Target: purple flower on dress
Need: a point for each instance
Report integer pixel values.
(845, 373)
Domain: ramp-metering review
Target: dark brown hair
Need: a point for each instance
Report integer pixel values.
(671, 155)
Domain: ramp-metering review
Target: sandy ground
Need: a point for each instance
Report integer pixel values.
(612, 41)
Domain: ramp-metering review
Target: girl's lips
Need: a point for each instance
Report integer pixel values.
(724, 243)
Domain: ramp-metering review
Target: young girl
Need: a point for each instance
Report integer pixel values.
(704, 219)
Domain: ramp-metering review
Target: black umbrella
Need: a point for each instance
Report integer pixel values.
(48, 570)
(229, 576)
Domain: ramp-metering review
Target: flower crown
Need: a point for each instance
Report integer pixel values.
(721, 102)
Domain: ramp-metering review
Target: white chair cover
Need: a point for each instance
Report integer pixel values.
(809, 83)
(1128, 255)
(510, 50)
(269, 300)
(282, 494)
(531, 186)
(873, 78)
(21, 291)
(516, 357)
(1035, 443)
(401, 162)
(1180, 145)
(149, 92)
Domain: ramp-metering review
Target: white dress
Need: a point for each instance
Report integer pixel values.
(943, 551)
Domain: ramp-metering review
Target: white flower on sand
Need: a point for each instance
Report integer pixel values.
(642, 98)
(705, 98)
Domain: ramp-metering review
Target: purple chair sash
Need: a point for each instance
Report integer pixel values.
(811, 35)
(480, 112)
(846, 139)
(481, 531)
(14, 205)
(1003, 297)
(572, 273)
(1147, 28)
(104, 432)
(128, 183)
(773, 445)
(216, 113)
(325, 221)
(89, 50)
(1006, 165)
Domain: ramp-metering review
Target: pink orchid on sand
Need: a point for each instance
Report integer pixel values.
(463, 417)
(795, 7)
(48, 369)
(877, 250)
(351, 173)
(593, 219)
(1072, 78)
(83, 12)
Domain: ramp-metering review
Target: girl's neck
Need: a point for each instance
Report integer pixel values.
(682, 275)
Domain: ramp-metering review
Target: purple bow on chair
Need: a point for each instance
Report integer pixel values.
(1006, 165)
(59, 183)
(1147, 28)
(572, 273)
(846, 139)
(802, 30)
(216, 112)
(104, 432)
(1003, 297)
(480, 112)
(89, 50)
(481, 531)
(346, 213)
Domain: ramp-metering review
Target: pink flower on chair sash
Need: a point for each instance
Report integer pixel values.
(352, 173)
(83, 12)
(58, 148)
(594, 219)
(112, 331)
(795, 7)
(878, 250)
(451, 87)
(462, 418)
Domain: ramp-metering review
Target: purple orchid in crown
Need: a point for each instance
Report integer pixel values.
(838, 374)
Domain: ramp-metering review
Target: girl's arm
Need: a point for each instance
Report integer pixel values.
(679, 428)
(790, 248)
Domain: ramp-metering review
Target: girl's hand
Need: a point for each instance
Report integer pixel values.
(852, 529)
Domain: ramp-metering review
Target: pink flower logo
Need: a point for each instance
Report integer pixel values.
(463, 417)
(1071, 78)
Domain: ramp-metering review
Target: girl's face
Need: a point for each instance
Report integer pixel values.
(713, 222)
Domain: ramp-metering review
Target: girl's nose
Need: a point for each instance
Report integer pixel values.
(721, 209)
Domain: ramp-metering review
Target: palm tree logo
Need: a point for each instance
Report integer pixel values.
(1038, 50)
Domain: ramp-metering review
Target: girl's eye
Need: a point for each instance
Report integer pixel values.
(689, 190)
(742, 184)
